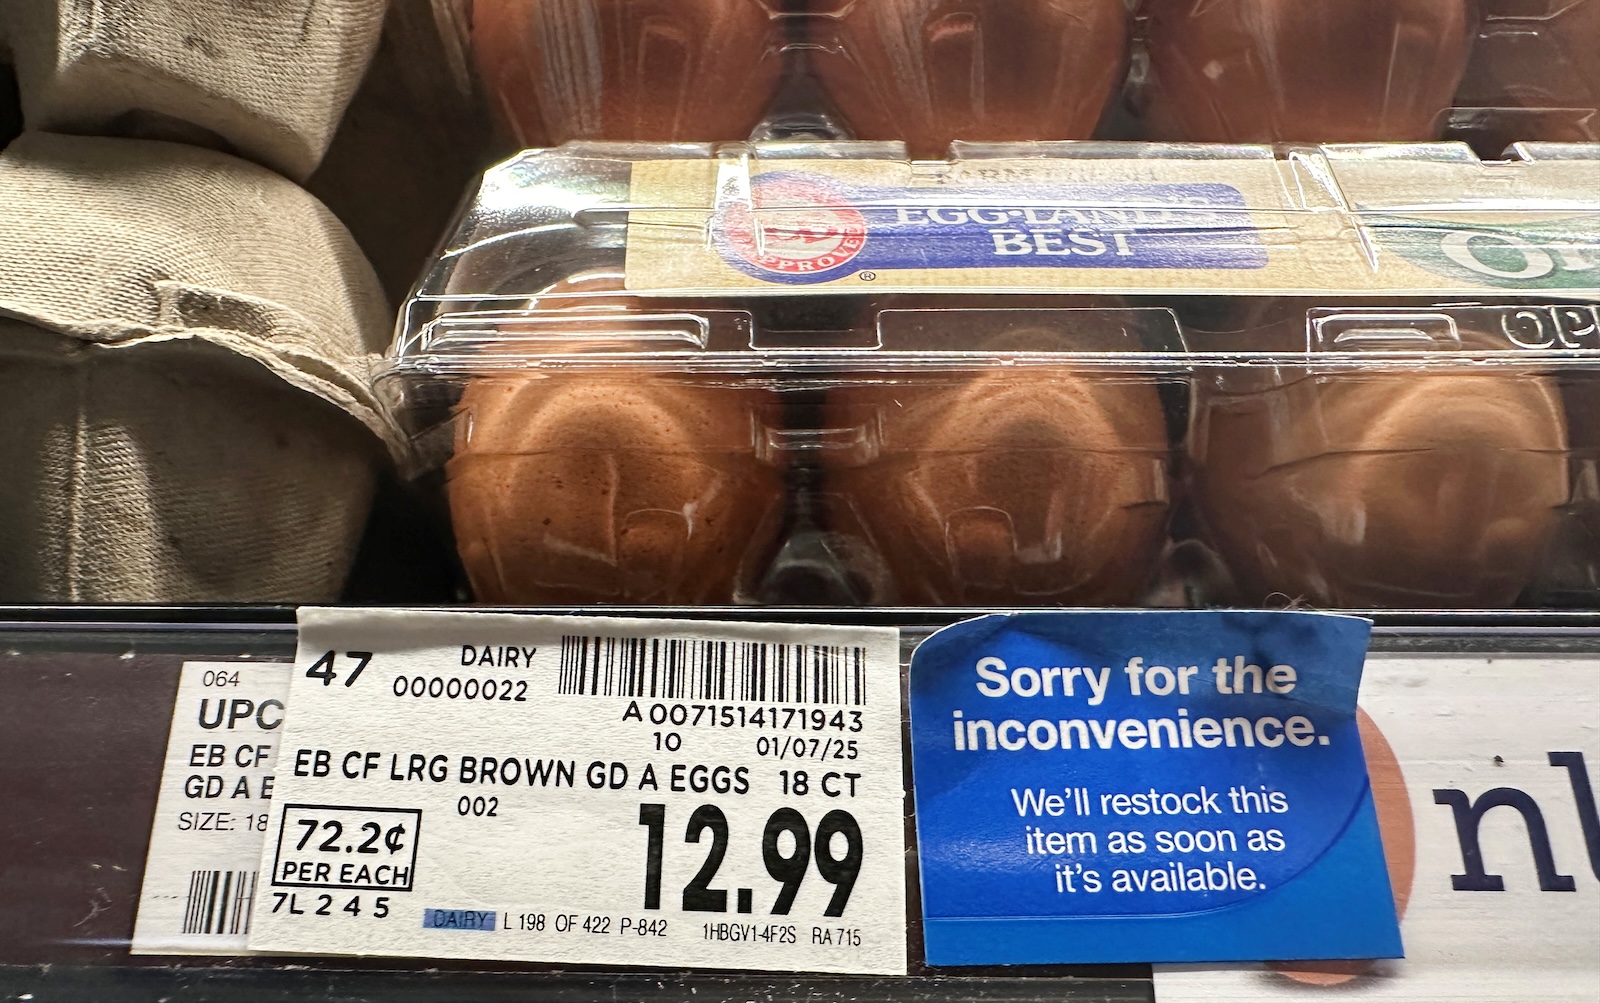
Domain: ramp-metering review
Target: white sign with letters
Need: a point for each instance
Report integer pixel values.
(589, 790)
(1491, 833)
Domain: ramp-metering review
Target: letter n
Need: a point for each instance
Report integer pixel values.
(1469, 818)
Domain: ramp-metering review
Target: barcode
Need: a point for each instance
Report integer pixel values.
(687, 669)
(219, 902)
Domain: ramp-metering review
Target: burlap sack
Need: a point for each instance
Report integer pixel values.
(268, 78)
(184, 378)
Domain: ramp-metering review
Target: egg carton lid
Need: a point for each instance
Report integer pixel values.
(560, 249)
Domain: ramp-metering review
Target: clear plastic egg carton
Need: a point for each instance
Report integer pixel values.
(1040, 374)
(930, 72)
(1532, 74)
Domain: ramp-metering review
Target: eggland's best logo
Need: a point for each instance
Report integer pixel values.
(794, 230)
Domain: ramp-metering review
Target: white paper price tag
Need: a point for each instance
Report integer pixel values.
(211, 816)
(589, 791)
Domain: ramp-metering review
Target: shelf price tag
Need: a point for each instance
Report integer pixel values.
(589, 790)
(216, 783)
(1104, 787)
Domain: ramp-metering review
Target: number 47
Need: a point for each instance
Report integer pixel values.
(323, 668)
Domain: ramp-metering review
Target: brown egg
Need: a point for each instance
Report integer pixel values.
(1397, 826)
(932, 71)
(506, 68)
(1311, 71)
(1428, 488)
(618, 488)
(636, 70)
(1015, 486)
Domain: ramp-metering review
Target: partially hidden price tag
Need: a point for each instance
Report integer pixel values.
(589, 791)
(216, 783)
(1104, 787)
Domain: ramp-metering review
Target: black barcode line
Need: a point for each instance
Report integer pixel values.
(675, 668)
(219, 902)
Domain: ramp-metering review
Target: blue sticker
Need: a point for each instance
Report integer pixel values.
(1096, 787)
(809, 229)
(458, 919)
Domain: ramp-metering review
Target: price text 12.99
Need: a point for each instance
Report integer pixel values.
(788, 869)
